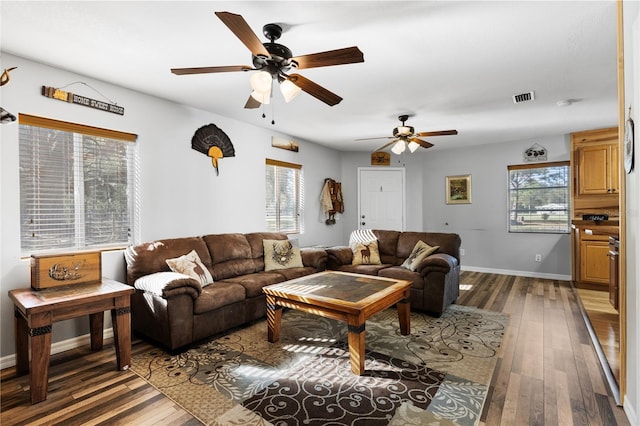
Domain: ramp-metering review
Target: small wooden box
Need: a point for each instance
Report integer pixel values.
(65, 269)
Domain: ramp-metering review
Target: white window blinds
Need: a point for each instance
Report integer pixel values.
(284, 197)
(77, 186)
(539, 198)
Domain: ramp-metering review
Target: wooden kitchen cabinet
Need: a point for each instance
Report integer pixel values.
(594, 260)
(598, 169)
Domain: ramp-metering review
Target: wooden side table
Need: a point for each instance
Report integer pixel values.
(37, 310)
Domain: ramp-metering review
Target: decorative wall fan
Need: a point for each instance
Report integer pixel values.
(405, 137)
(273, 62)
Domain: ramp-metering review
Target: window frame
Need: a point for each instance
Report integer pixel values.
(70, 234)
(274, 221)
(533, 213)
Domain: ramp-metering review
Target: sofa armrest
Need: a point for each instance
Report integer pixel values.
(339, 256)
(314, 257)
(169, 284)
(438, 262)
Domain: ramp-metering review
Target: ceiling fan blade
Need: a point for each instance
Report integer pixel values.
(348, 55)
(207, 70)
(422, 143)
(252, 103)
(387, 144)
(370, 139)
(315, 89)
(438, 133)
(243, 31)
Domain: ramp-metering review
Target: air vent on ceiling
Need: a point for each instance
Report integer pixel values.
(523, 97)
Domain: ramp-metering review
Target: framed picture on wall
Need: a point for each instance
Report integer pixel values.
(458, 189)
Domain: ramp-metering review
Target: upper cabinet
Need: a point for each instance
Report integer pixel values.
(598, 169)
(596, 173)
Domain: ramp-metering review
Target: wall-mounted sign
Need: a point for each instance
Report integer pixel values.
(62, 95)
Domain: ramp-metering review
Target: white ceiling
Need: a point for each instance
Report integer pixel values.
(450, 64)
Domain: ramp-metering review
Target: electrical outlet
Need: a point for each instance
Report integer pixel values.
(538, 258)
(461, 252)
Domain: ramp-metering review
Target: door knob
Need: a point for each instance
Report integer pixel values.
(362, 223)
(363, 216)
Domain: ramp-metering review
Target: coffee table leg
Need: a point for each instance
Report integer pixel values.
(357, 348)
(404, 316)
(274, 317)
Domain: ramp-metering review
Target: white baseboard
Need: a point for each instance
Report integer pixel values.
(630, 412)
(65, 345)
(517, 273)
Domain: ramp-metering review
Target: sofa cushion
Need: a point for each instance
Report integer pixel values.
(148, 258)
(448, 243)
(292, 273)
(388, 245)
(230, 255)
(364, 269)
(281, 254)
(365, 253)
(218, 295)
(253, 283)
(191, 265)
(419, 252)
(255, 240)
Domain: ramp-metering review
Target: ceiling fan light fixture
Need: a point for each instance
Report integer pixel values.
(398, 148)
(289, 90)
(413, 146)
(261, 82)
(404, 130)
(262, 97)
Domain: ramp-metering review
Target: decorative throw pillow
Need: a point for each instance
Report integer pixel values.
(190, 264)
(281, 254)
(366, 253)
(419, 252)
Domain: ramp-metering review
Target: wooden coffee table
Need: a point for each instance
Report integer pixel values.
(343, 296)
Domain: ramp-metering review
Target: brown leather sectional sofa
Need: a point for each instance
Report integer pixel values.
(436, 281)
(178, 312)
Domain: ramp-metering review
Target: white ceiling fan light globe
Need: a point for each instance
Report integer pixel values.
(261, 97)
(289, 90)
(413, 146)
(261, 82)
(398, 148)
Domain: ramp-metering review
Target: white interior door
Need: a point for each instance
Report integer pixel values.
(381, 198)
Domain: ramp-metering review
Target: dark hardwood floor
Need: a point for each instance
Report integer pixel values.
(547, 372)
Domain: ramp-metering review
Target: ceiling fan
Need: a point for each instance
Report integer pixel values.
(405, 137)
(273, 62)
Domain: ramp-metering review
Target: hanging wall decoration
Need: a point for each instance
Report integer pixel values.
(331, 201)
(628, 144)
(5, 116)
(535, 153)
(62, 95)
(282, 143)
(380, 158)
(213, 142)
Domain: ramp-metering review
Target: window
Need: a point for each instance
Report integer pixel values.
(77, 186)
(539, 198)
(284, 199)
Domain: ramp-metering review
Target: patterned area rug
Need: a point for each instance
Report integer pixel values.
(439, 375)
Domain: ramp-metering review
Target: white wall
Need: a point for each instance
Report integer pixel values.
(631, 10)
(180, 193)
(482, 224)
